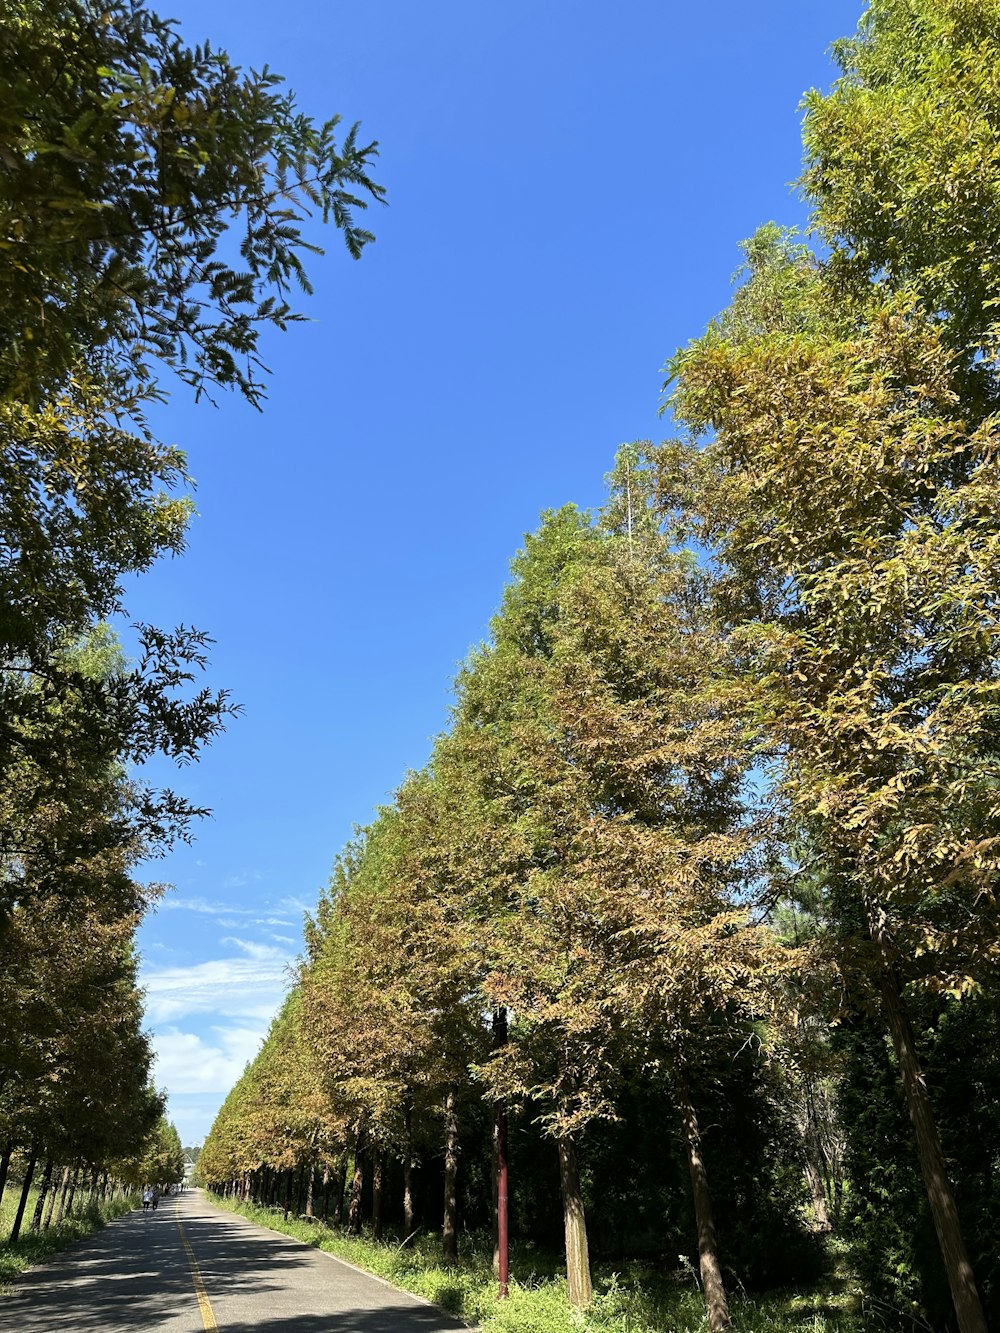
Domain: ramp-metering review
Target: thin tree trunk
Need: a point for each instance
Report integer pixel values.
(450, 1227)
(818, 1194)
(74, 1185)
(36, 1219)
(357, 1184)
(340, 1183)
(377, 1170)
(708, 1257)
(52, 1198)
(25, 1187)
(940, 1196)
(310, 1179)
(66, 1198)
(5, 1166)
(326, 1192)
(580, 1287)
(408, 1227)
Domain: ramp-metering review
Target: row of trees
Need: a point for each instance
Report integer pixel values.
(127, 159)
(69, 1184)
(718, 806)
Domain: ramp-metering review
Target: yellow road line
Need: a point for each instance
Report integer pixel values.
(204, 1305)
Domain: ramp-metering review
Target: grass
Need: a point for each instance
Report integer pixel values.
(30, 1248)
(634, 1299)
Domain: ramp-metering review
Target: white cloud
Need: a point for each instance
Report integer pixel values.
(250, 987)
(296, 905)
(241, 880)
(173, 904)
(263, 953)
(187, 1063)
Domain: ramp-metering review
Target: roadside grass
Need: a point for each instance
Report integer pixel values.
(31, 1249)
(634, 1298)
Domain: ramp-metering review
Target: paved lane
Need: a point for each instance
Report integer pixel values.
(189, 1267)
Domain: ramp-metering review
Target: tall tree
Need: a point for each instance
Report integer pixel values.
(608, 764)
(129, 162)
(847, 500)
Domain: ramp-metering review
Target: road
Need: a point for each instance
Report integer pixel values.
(190, 1267)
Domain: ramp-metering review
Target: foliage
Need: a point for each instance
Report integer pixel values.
(901, 165)
(154, 202)
(893, 1246)
(161, 1161)
(131, 162)
(722, 785)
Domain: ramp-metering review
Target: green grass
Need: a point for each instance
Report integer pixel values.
(32, 1249)
(634, 1299)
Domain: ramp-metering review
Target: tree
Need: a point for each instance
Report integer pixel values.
(161, 1161)
(850, 491)
(129, 165)
(847, 500)
(901, 169)
(129, 161)
(389, 998)
(606, 764)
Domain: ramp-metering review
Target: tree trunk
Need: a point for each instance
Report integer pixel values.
(340, 1182)
(74, 1185)
(52, 1198)
(357, 1184)
(580, 1288)
(66, 1199)
(377, 1196)
(310, 1184)
(25, 1187)
(408, 1227)
(450, 1227)
(300, 1186)
(326, 1192)
(708, 1258)
(36, 1220)
(817, 1194)
(940, 1196)
(5, 1166)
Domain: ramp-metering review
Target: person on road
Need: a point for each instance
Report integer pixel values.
(156, 1198)
(147, 1198)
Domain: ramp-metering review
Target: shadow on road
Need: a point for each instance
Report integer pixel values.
(135, 1274)
(388, 1319)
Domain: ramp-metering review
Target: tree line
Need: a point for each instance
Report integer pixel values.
(697, 892)
(129, 160)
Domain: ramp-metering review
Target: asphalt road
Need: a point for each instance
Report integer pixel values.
(190, 1267)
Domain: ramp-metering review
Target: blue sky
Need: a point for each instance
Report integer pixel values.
(569, 182)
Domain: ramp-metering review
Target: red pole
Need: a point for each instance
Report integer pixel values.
(502, 1214)
(503, 1247)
